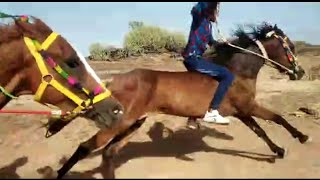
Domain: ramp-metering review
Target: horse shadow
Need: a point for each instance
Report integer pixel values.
(10, 171)
(179, 144)
(176, 144)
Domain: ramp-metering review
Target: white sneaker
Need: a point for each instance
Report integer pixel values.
(214, 117)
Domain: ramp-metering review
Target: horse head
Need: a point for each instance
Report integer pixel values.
(270, 42)
(53, 71)
(281, 49)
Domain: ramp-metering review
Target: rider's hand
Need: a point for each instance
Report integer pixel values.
(223, 40)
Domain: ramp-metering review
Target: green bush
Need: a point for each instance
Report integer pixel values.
(97, 51)
(135, 24)
(175, 41)
(152, 39)
(116, 53)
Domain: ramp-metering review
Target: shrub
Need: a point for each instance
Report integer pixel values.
(152, 39)
(97, 51)
(175, 41)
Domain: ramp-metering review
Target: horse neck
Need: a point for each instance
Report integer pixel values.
(244, 64)
(11, 60)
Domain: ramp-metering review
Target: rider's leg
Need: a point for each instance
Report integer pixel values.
(225, 78)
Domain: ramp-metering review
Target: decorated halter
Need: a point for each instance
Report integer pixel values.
(291, 57)
(41, 56)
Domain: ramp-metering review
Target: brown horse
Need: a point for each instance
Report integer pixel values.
(37, 61)
(187, 94)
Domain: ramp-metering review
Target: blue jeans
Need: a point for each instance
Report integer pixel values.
(222, 74)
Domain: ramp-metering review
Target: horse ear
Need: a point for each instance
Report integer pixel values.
(28, 30)
(40, 25)
(33, 28)
(275, 26)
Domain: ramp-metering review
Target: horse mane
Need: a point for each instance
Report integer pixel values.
(257, 32)
(244, 36)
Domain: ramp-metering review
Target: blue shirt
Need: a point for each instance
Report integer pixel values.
(201, 31)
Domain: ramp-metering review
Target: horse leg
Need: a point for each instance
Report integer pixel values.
(266, 114)
(103, 137)
(54, 126)
(192, 123)
(114, 147)
(254, 126)
(82, 152)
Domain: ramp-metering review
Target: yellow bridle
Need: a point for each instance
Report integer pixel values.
(34, 47)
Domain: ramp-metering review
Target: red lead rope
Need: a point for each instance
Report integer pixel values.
(55, 113)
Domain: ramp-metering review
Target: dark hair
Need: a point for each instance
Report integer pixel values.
(212, 7)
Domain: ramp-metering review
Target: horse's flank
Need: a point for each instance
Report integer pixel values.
(188, 94)
(185, 94)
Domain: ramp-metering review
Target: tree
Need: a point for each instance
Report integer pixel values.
(135, 24)
(97, 51)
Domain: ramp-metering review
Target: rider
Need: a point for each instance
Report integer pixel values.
(203, 13)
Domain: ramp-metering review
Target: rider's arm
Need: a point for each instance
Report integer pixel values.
(212, 41)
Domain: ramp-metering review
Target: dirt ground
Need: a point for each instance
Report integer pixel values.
(214, 151)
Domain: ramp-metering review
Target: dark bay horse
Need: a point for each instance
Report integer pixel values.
(188, 94)
(34, 60)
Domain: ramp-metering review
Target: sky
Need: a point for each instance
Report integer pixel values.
(84, 23)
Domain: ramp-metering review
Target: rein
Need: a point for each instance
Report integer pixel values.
(41, 56)
(264, 57)
(290, 55)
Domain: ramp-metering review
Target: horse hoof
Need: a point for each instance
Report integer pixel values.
(303, 139)
(59, 175)
(281, 152)
(271, 160)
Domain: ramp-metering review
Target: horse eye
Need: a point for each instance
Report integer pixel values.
(72, 63)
